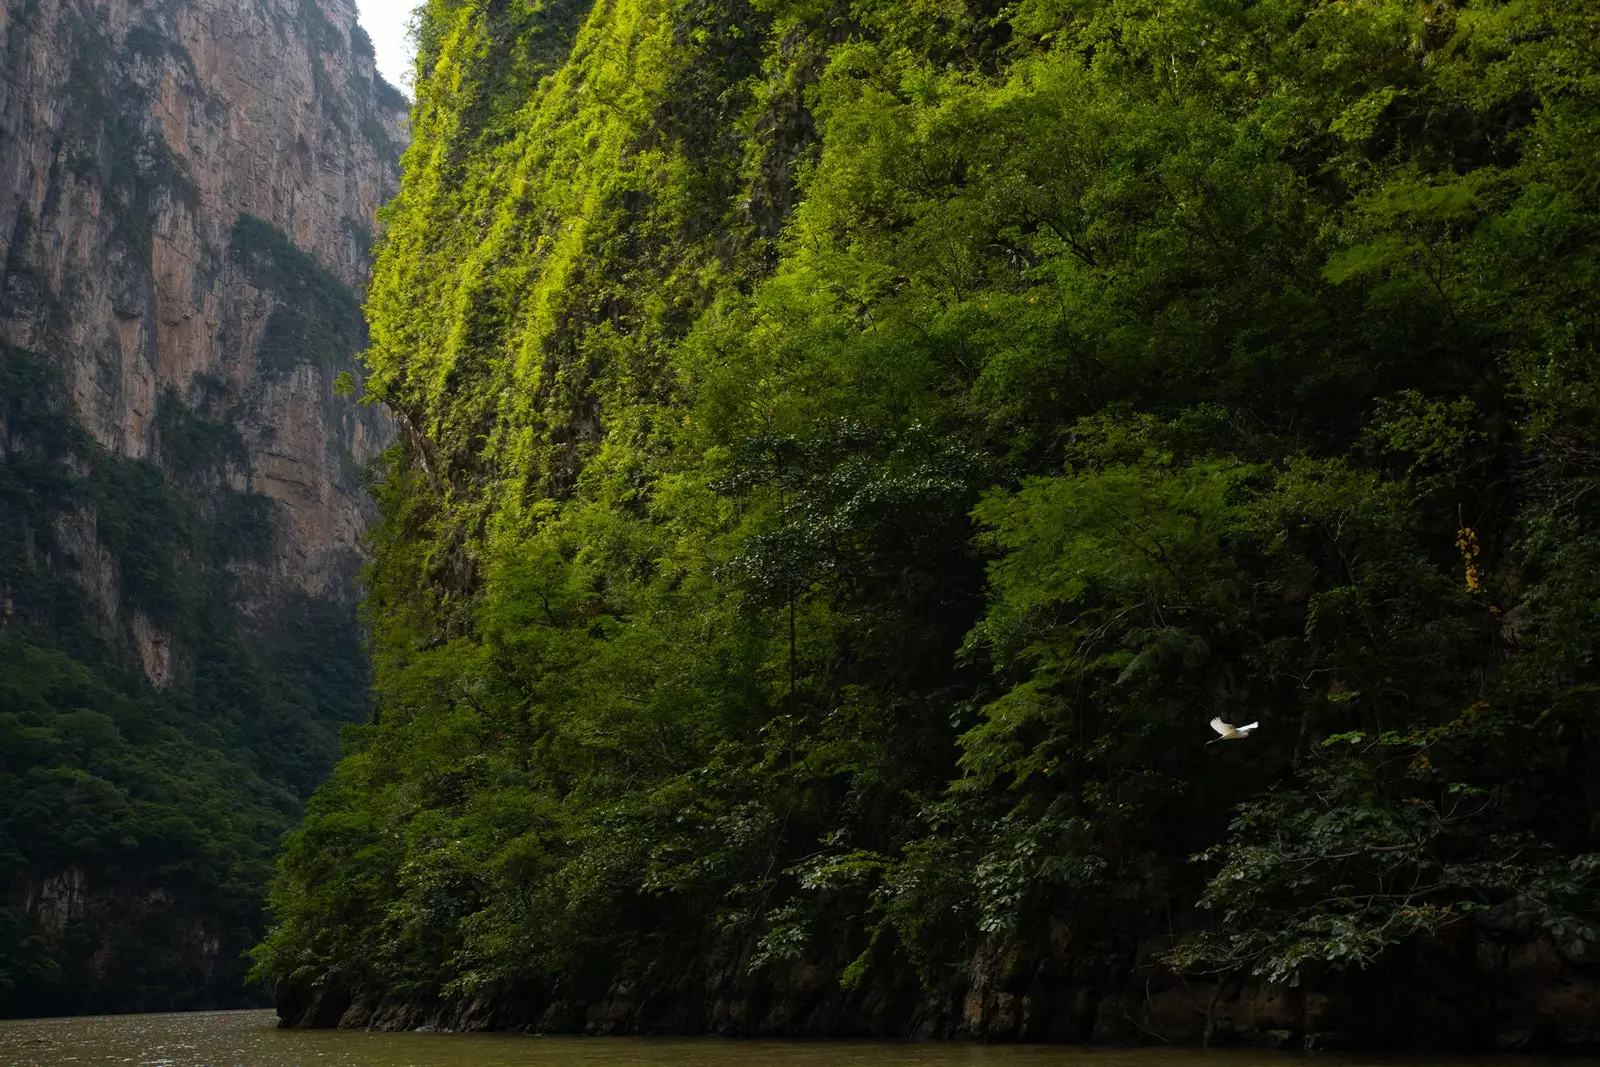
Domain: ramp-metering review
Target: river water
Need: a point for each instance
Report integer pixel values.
(250, 1039)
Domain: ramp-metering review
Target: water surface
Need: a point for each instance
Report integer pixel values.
(251, 1039)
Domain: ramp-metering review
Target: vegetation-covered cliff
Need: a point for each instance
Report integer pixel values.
(850, 450)
(187, 189)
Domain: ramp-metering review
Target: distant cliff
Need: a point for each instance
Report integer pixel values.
(188, 191)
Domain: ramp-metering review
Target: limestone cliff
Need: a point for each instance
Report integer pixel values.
(133, 139)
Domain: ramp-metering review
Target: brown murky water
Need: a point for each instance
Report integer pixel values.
(250, 1039)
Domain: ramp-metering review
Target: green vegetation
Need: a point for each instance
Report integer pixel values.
(316, 320)
(320, 30)
(104, 784)
(390, 99)
(853, 448)
(361, 43)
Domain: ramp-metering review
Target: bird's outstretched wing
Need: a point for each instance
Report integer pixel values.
(1220, 727)
(1247, 729)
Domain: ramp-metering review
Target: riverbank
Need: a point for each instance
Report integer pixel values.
(1486, 995)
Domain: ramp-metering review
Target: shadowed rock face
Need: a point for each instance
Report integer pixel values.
(135, 138)
(188, 191)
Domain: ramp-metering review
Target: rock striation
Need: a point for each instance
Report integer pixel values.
(134, 138)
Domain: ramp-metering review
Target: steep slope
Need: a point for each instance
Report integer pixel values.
(850, 451)
(187, 200)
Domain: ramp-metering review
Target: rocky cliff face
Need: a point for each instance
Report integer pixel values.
(135, 138)
(188, 191)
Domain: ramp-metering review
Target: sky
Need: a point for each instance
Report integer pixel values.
(385, 22)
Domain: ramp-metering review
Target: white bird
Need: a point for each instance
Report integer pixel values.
(1230, 732)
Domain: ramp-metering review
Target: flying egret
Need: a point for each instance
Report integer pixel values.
(1230, 732)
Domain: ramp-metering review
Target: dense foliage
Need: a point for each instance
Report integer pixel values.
(853, 448)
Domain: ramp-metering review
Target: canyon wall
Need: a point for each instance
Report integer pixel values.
(188, 198)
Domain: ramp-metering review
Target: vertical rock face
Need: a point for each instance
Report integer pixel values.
(134, 138)
(187, 199)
